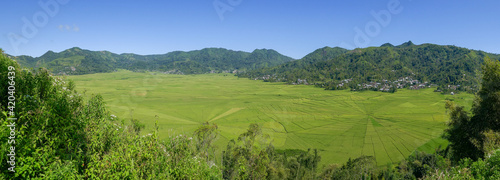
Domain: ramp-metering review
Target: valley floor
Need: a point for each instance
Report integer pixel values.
(342, 124)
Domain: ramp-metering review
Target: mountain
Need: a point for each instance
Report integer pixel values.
(282, 70)
(387, 45)
(440, 65)
(80, 61)
(73, 61)
(406, 44)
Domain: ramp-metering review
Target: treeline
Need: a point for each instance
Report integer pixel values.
(79, 61)
(439, 65)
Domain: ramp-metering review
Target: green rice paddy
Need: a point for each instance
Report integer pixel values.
(342, 124)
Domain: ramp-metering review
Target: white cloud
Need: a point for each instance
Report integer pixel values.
(66, 27)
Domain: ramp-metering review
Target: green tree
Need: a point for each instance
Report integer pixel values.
(470, 134)
(244, 158)
(205, 135)
(363, 167)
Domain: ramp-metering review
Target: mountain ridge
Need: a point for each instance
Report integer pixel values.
(327, 67)
(76, 60)
(446, 66)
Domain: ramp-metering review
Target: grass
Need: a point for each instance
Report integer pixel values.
(342, 124)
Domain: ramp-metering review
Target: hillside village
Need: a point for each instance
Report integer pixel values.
(384, 85)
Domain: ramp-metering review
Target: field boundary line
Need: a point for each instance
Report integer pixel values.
(385, 149)
(392, 131)
(227, 113)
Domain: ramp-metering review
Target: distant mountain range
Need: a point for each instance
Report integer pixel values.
(330, 68)
(337, 68)
(80, 61)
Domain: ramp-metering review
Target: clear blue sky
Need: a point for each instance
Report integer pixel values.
(293, 28)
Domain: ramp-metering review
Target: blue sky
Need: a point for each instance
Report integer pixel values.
(293, 28)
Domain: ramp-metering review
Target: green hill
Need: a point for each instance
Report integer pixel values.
(80, 61)
(319, 55)
(388, 65)
(73, 61)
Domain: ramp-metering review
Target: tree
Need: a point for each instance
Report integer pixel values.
(473, 136)
(393, 89)
(459, 133)
(360, 168)
(205, 135)
(244, 159)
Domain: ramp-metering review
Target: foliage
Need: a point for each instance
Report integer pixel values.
(243, 158)
(420, 163)
(360, 168)
(473, 136)
(205, 136)
(469, 169)
(252, 157)
(137, 125)
(460, 133)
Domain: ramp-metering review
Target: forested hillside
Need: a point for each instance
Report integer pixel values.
(276, 73)
(80, 61)
(384, 68)
(408, 65)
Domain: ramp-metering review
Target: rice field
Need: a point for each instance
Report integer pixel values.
(341, 124)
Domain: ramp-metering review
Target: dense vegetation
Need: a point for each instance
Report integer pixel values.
(319, 55)
(79, 61)
(329, 68)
